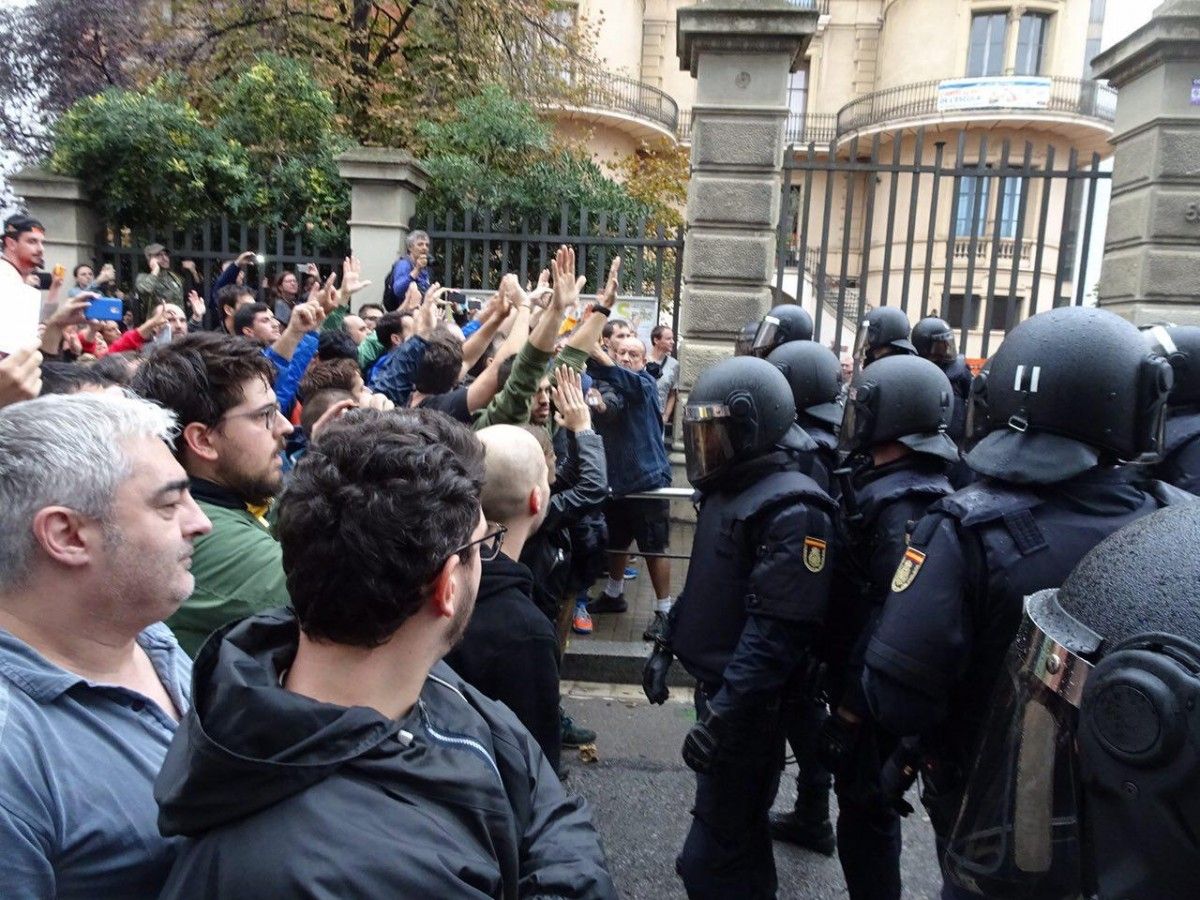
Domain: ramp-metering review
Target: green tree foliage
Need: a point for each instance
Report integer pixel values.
(262, 152)
(285, 122)
(494, 153)
(148, 161)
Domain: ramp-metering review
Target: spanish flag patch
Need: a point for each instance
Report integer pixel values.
(906, 572)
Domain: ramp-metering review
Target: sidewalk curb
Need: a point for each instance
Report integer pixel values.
(614, 662)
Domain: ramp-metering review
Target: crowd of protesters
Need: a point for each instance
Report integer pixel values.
(240, 533)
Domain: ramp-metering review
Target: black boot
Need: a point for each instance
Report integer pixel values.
(808, 825)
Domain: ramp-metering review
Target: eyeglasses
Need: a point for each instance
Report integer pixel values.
(489, 544)
(267, 416)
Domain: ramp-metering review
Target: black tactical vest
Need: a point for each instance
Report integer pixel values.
(1017, 541)
(1180, 464)
(707, 620)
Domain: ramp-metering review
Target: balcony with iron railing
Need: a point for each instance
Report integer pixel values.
(1000, 98)
(643, 110)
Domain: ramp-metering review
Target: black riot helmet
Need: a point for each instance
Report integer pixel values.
(882, 332)
(782, 325)
(1067, 390)
(1087, 781)
(1180, 346)
(743, 343)
(899, 398)
(737, 410)
(933, 339)
(815, 377)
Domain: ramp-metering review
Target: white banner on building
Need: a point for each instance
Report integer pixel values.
(993, 93)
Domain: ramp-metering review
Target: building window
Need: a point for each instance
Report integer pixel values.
(971, 206)
(1003, 313)
(1031, 42)
(797, 93)
(986, 53)
(1010, 205)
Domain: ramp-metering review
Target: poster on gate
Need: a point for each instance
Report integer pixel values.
(640, 312)
(993, 93)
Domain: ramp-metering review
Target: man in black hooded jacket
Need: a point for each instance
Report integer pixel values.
(329, 753)
(509, 651)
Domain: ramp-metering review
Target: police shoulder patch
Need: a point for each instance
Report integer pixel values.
(814, 554)
(906, 572)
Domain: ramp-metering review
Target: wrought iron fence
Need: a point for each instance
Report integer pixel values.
(976, 233)
(1077, 96)
(474, 250)
(212, 244)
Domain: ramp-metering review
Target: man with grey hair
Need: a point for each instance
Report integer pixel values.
(96, 532)
(412, 268)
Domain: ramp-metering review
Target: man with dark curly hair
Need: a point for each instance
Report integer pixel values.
(221, 389)
(329, 749)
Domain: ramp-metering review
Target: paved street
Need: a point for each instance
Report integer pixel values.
(641, 792)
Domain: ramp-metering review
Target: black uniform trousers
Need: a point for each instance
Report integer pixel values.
(728, 850)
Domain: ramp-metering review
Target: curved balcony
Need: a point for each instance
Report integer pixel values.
(639, 109)
(966, 99)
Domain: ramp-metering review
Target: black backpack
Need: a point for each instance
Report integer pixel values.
(390, 300)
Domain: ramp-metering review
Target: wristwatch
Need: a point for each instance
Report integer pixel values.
(603, 310)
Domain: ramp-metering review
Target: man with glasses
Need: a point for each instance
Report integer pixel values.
(510, 649)
(159, 285)
(232, 434)
(329, 746)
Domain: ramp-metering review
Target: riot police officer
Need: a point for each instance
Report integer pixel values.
(756, 593)
(1180, 464)
(815, 376)
(1070, 394)
(883, 332)
(933, 339)
(1102, 691)
(898, 455)
(784, 323)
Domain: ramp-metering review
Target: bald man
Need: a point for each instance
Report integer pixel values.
(510, 649)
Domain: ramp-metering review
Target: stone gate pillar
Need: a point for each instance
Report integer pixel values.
(741, 53)
(384, 184)
(1151, 269)
(61, 204)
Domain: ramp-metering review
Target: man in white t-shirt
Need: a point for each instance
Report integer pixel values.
(20, 304)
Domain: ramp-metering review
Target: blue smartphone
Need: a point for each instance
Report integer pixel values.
(106, 309)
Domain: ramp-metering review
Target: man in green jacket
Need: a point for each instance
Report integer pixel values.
(220, 389)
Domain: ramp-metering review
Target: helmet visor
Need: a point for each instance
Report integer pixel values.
(707, 443)
(977, 409)
(1018, 828)
(943, 349)
(766, 337)
(857, 421)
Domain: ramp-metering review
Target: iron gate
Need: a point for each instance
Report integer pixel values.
(474, 250)
(968, 230)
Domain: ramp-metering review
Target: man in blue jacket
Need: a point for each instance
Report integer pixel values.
(630, 422)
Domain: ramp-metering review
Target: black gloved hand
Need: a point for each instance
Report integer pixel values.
(837, 741)
(654, 675)
(898, 774)
(702, 743)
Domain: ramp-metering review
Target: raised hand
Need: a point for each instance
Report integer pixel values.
(197, 304)
(20, 376)
(566, 285)
(352, 281)
(608, 296)
(572, 411)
